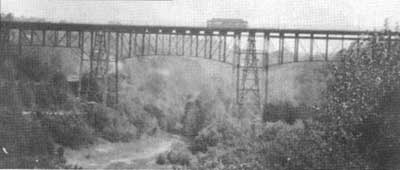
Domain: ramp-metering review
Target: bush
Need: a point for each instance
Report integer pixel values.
(227, 144)
(69, 130)
(91, 88)
(144, 122)
(287, 112)
(54, 93)
(10, 96)
(293, 147)
(208, 137)
(110, 124)
(179, 155)
(25, 143)
(200, 113)
(33, 68)
(162, 159)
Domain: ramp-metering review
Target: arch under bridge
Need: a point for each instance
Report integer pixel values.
(250, 51)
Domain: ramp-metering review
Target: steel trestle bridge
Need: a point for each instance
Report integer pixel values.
(250, 51)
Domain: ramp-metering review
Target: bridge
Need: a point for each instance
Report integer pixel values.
(249, 51)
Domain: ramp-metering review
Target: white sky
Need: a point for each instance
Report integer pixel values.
(315, 14)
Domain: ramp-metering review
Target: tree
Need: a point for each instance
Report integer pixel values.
(354, 118)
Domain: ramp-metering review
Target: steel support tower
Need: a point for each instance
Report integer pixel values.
(248, 77)
(98, 66)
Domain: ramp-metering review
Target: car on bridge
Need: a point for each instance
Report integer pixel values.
(227, 23)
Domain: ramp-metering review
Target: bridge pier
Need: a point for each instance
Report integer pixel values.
(266, 47)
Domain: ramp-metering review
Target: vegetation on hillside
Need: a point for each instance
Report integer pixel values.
(354, 128)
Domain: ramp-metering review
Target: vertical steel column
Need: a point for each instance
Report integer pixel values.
(373, 45)
(389, 49)
(108, 46)
(135, 44)
(162, 43)
(205, 44)
(91, 53)
(219, 46)
(266, 68)
(342, 42)
(311, 47)
(238, 54)
(176, 43)
(82, 50)
(197, 44)
(8, 36)
(149, 43)
(143, 42)
(44, 38)
(281, 47)
(116, 66)
(169, 43)
(358, 46)
(31, 38)
(327, 47)
(156, 45)
(224, 47)
(90, 82)
(55, 39)
(68, 37)
(20, 42)
(122, 45)
(191, 43)
(296, 48)
(211, 46)
(183, 43)
(130, 45)
(97, 40)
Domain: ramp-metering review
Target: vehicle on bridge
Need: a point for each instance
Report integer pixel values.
(227, 23)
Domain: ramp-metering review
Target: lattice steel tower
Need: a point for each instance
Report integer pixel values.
(99, 64)
(249, 87)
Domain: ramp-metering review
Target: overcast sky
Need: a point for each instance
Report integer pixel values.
(313, 14)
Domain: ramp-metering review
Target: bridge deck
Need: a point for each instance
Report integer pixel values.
(177, 29)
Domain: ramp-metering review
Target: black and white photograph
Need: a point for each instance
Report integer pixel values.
(200, 84)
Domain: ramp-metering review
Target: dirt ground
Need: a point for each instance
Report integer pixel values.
(141, 153)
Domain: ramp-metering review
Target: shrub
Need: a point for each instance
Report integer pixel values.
(69, 130)
(109, 123)
(200, 113)
(179, 155)
(162, 159)
(91, 88)
(208, 137)
(54, 93)
(10, 96)
(228, 145)
(293, 147)
(25, 143)
(287, 112)
(33, 68)
(144, 122)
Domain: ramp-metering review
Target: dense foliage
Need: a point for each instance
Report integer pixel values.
(357, 118)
